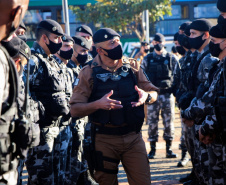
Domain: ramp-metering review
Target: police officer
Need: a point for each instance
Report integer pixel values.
(222, 17)
(20, 32)
(11, 12)
(27, 106)
(199, 40)
(116, 113)
(78, 164)
(175, 88)
(86, 32)
(174, 51)
(183, 26)
(62, 140)
(144, 49)
(204, 107)
(179, 48)
(159, 66)
(47, 84)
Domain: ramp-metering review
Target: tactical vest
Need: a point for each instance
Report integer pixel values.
(51, 92)
(33, 106)
(122, 82)
(186, 71)
(75, 69)
(159, 71)
(194, 83)
(7, 122)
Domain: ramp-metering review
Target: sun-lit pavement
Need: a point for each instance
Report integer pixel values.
(163, 171)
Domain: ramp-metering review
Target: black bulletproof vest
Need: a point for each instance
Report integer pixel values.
(122, 82)
(7, 122)
(52, 91)
(159, 70)
(10, 109)
(186, 70)
(194, 82)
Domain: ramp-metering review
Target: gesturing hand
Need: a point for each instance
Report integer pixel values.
(107, 104)
(142, 97)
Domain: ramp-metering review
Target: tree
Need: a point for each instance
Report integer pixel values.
(124, 16)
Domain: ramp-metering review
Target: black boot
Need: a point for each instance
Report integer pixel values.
(151, 154)
(184, 158)
(169, 152)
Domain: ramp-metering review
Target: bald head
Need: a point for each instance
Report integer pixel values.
(11, 13)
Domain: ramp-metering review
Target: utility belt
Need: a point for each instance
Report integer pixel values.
(113, 130)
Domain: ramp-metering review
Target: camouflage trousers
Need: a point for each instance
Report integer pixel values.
(217, 164)
(182, 138)
(189, 136)
(60, 155)
(201, 160)
(76, 161)
(166, 104)
(40, 161)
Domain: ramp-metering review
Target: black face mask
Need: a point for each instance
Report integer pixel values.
(214, 49)
(197, 42)
(12, 46)
(146, 50)
(186, 43)
(222, 23)
(115, 53)
(180, 50)
(53, 47)
(66, 54)
(158, 47)
(22, 37)
(82, 59)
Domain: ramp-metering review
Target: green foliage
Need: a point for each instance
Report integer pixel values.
(123, 15)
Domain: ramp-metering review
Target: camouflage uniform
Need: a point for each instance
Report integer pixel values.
(41, 162)
(77, 163)
(177, 90)
(165, 101)
(8, 171)
(186, 69)
(211, 126)
(62, 149)
(197, 111)
(33, 117)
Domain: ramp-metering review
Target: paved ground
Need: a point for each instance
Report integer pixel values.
(163, 171)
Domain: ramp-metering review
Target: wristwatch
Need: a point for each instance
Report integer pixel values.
(148, 98)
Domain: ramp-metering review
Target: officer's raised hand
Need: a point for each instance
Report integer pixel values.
(107, 103)
(142, 97)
